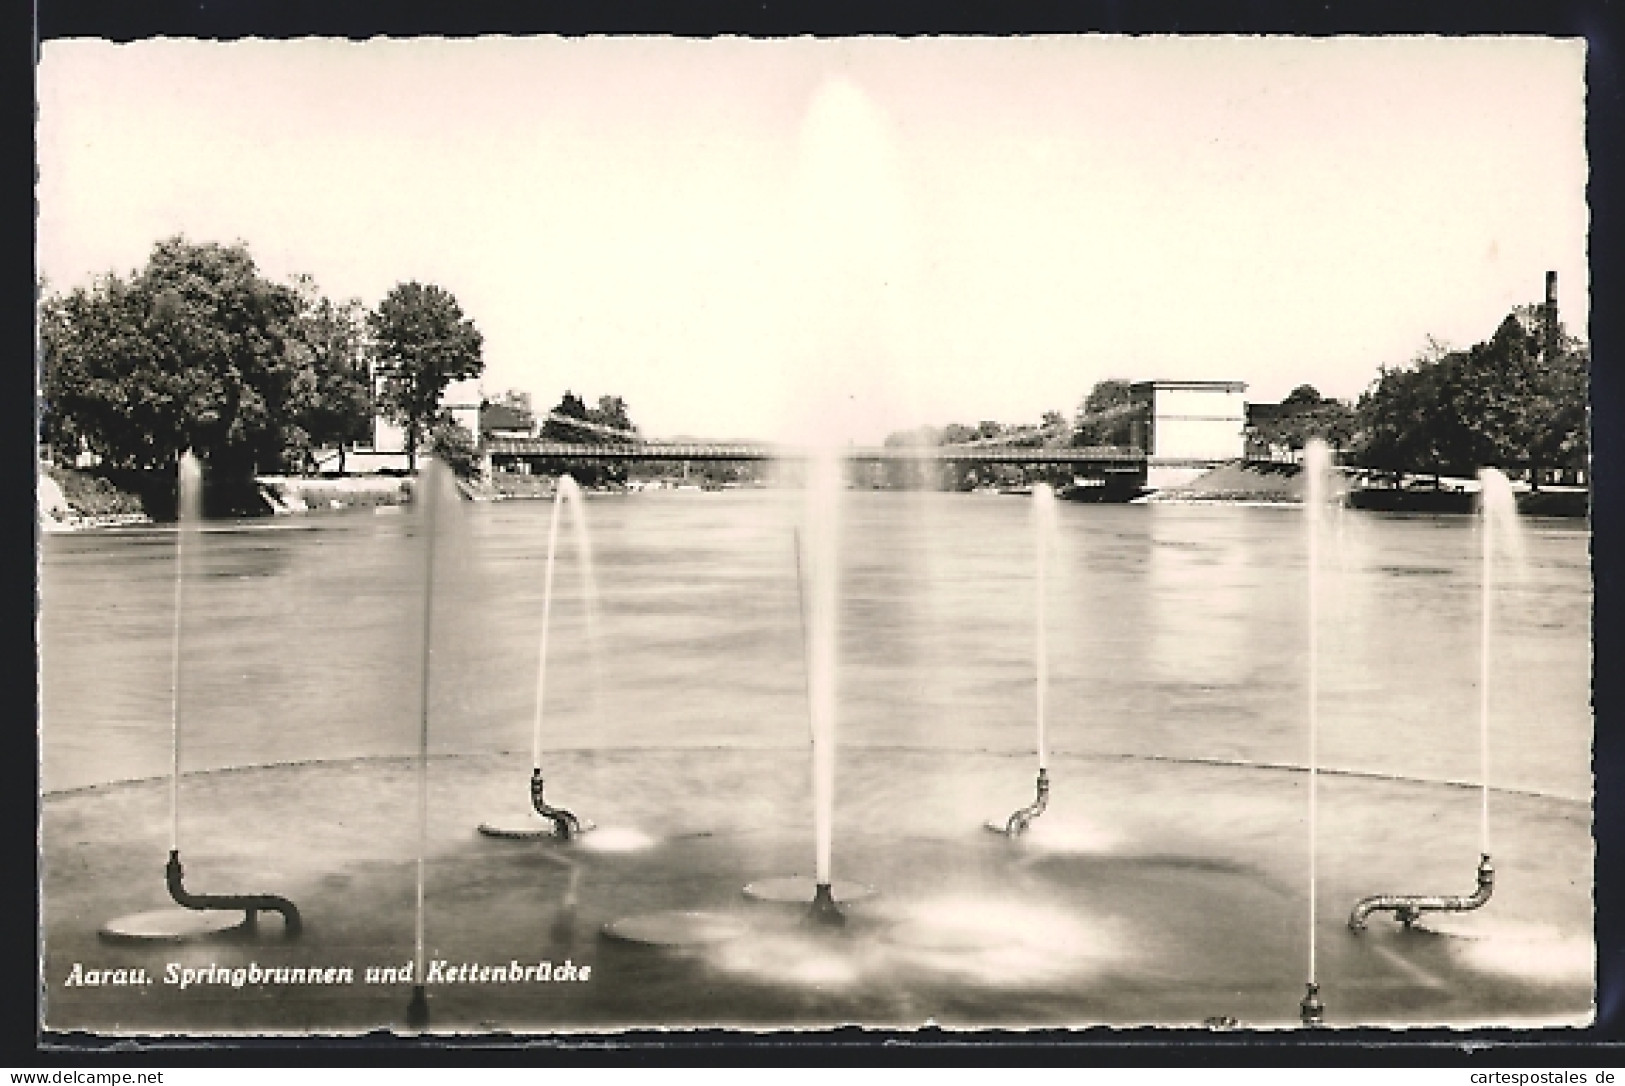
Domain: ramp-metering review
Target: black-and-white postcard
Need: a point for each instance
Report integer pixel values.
(549, 535)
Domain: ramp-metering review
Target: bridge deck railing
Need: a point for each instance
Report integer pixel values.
(538, 449)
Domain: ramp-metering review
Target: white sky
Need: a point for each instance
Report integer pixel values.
(757, 238)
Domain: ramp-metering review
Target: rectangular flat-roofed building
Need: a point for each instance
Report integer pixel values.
(1193, 420)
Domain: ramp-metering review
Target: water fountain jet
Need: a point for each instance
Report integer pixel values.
(823, 493)
(431, 483)
(1043, 529)
(1498, 513)
(550, 821)
(1317, 466)
(417, 1010)
(197, 915)
(824, 912)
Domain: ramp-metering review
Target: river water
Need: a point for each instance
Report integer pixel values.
(1175, 632)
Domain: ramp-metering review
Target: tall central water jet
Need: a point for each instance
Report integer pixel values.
(843, 334)
(818, 553)
(823, 499)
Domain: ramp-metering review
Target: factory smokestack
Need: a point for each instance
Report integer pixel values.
(1550, 317)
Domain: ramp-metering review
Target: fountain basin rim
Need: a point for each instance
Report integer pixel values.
(1076, 756)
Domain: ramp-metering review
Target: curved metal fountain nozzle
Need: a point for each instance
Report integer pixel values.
(1020, 820)
(565, 824)
(252, 904)
(1407, 908)
(824, 911)
(1312, 1012)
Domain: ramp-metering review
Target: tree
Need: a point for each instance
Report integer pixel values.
(1303, 415)
(518, 401)
(1108, 414)
(1561, 433)
(919, 436)
(421, 344)
(454, 446)
(556, 428)
(1401, 418)
(334, 402)
(612, 412)
(196, 350)
(605, 424)
(1521, 400)
(1512, 402)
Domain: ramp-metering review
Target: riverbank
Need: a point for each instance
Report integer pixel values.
(71, 500)
(1256, 483)
(288, 494)
(1283, 484)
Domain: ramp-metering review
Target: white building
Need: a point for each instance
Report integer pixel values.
(461, 399)
(388, 450)
(1193, 425)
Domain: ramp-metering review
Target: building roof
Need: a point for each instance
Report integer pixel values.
(500, 416)
(1273, 412)
(1191, 386)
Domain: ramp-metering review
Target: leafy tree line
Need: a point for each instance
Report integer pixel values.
(1303, 415)
(198, 350)
(1052, 431)
(608, 423)
(605, 424)
(1109, 416)
(1515, 402)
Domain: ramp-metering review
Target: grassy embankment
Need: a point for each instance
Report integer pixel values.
(299, 494)
(90, 495)
(1284, 483)
(1256, 482)
(78, 498)
(69, 498)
